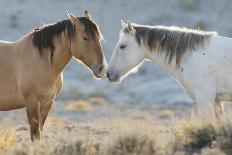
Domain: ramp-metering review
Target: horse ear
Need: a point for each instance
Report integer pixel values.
(87, 14)
(130, 27)
(75, 20)
(71, 17)
(124, 25)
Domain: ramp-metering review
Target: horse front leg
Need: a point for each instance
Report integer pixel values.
(218, 109)
(34, 117)
(44, 112)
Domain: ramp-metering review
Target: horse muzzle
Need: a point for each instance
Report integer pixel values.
(99, 70)
(112, 75)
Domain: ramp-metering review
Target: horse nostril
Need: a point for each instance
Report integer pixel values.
(108, 75)
(100, 69)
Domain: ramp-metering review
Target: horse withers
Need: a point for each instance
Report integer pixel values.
(31, 68)
(200, 61)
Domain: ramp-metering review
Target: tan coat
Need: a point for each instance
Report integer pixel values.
(30, 80)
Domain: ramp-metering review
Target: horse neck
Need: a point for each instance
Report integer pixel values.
(62, 54)
(160, 60)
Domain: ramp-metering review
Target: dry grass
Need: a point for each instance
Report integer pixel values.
(63, 147)
(54, 121)
(139, 116)
(165, 114)
(7, 139)
(97, 100)
(85, 105)
(128, 136)
(80, 105)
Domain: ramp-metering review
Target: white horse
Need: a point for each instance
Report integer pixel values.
(200, 61)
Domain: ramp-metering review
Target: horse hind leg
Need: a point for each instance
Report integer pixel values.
(34, 117)
(218, 104)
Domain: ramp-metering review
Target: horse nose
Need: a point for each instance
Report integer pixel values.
(112, 75)
(100, 68)
(108, 75)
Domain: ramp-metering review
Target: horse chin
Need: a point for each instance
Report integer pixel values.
(98, 76)
(115, 81)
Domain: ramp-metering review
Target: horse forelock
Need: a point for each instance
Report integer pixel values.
(171, 41)
(91, 28)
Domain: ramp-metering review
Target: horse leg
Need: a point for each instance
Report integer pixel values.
(44, 112)
(34, 118)
(218, 109)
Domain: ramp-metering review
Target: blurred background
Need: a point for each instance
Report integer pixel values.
(148, 90)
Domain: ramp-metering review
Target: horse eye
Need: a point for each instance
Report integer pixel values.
(86, 39)
(123, 46)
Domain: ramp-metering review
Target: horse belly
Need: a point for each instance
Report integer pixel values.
(10, 100)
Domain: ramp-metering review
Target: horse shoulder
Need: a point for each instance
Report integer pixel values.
(197, 76)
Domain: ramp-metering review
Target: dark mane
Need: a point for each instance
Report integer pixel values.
(43, 37)
(173, 41)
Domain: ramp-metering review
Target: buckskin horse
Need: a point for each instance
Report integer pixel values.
(31, 68)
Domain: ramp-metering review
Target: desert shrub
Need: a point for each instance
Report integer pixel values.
(206, 138)
(77, 147)
(61, 147)
(131, 144)
(193, 138)
(224, 137)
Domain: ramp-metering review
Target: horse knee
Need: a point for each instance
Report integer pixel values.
(44, 112)
(35, 131)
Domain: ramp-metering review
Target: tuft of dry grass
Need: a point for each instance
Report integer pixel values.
(165, 114)
(97, 100)
(139, 116)
(80, 105)
(54, 121)
(7, 139)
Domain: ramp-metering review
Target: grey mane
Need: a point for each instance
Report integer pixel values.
(173, 41)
